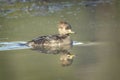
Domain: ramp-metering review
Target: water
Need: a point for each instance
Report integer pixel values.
(96, 24)
(13, 45)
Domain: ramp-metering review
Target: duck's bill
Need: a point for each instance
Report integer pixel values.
(72, 32)
(71, 56)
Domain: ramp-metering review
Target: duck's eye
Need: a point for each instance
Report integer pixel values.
(67, 28)
(61, 27)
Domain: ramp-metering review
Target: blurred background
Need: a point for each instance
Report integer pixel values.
(95, 21)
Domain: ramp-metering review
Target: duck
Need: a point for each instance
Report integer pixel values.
(56, 40)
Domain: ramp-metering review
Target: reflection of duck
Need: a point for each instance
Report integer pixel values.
(61, 39)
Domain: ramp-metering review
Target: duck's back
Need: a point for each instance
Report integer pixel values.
(50, 40)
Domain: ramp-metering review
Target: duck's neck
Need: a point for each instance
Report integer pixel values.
(66, 39)
(64, 34)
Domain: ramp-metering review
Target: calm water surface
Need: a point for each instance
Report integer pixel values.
(96, 22)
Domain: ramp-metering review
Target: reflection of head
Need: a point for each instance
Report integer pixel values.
(66, 59)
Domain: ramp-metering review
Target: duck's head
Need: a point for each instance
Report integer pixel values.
(64, 28)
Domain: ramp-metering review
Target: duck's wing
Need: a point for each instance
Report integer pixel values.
(39, 39)
(42, 39)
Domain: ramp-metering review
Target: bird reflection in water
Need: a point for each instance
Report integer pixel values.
(66, 58)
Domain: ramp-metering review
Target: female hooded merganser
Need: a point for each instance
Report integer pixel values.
(56, 44)
(61, 39)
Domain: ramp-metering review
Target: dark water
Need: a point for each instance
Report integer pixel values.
(96, 22)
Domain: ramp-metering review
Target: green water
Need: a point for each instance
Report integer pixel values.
(97, 23)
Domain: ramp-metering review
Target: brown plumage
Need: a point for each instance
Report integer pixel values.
(63, 38)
